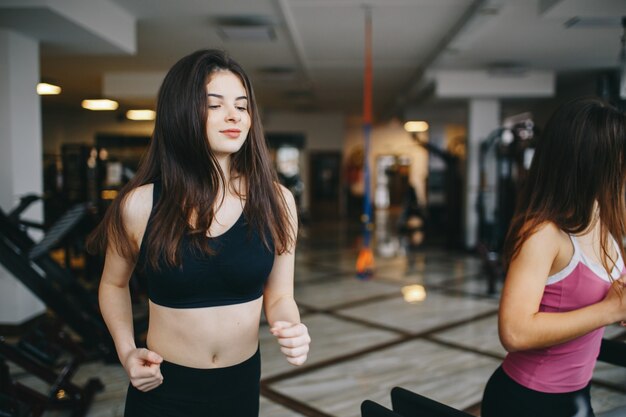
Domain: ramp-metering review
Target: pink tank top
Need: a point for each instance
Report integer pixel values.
(568, 366)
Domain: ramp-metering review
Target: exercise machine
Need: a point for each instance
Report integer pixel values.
(504, 160)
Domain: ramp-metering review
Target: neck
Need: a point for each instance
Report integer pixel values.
(224, 163)
(594, 220)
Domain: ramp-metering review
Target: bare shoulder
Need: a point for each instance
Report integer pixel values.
(537, 258)
(284, 190)
(546, 239)
(548, 231)
(287, 195)
(136, 209)
(291, 205)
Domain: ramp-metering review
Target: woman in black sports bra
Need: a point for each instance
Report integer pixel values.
(208, 225)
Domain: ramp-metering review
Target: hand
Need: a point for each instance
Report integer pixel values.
(144, 369)
(293, 339)
(616, 297)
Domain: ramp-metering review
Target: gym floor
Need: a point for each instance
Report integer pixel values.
(369, 337)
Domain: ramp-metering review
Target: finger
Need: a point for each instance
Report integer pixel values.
(142, 383)
(150, 356)
(305, 339)
(158, 374)
(140, 372)
(147, 386)
(277, 326)
(297, 361)
(293, 331)
(295, 352)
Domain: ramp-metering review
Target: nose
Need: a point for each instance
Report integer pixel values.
(233, 114)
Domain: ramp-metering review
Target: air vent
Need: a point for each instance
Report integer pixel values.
(277, 73)
(245, 28)
(507, 69)
(592, 22)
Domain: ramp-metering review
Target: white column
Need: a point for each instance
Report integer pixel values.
(484, 116)
(20, 156)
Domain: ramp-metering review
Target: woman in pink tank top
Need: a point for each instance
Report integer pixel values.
(565, 257)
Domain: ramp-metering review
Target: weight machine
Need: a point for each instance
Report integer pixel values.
(72, 332)
(504, 160)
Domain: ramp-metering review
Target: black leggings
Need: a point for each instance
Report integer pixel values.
(504, 397)
(232, 391)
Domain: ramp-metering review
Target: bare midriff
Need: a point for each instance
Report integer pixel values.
(207, 337)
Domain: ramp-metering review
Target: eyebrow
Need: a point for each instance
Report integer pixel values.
(222, 97)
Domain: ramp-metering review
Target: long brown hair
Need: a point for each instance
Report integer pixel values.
(580, 159)
(180, 157)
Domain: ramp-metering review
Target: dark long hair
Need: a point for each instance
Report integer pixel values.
(180, 157)
(580, 159)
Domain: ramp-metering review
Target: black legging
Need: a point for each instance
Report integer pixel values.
(232, 391)
(504, 397)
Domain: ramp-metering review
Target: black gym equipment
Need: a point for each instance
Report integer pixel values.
(73, 333)
(504, 161)
(31, 263)
(72, 303)
(408, 403)
(21, 400)
(451, 221)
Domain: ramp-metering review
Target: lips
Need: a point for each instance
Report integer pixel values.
(231, 133)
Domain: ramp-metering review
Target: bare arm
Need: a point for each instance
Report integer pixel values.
(141, 365)
(521, 325)
(115, 302)
(280, 306)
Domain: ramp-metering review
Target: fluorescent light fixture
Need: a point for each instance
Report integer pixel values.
(45, 89)
(142, 114)
(99, 104)
(416, 126)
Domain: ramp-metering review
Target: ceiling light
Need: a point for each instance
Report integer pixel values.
(416, 126)
(45, 89)
(143, 114)
(245, 28)
(99, 104)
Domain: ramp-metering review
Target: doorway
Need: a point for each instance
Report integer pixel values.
(324, 180)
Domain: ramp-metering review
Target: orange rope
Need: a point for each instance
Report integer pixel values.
(367, 79)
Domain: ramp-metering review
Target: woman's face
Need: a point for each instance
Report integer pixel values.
(228, 120)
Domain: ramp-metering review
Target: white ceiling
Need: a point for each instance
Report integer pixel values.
(323, 42)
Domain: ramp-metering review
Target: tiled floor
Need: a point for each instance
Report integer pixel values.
(368, 339)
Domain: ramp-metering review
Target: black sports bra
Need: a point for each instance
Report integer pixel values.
(235, 273)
